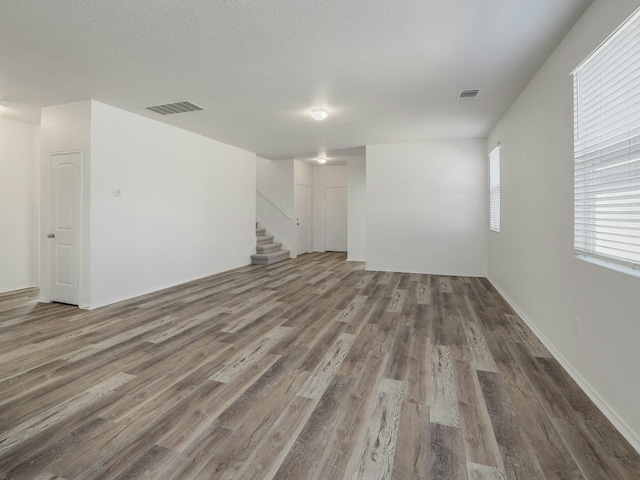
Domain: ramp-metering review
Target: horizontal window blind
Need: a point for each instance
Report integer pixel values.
(607, 149)
(494, 189)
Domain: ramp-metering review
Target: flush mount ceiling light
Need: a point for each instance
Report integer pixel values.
(319, 114)
(321, 160)
(4, 102)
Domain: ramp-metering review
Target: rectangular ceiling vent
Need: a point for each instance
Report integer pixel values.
(472, 93)
(172, 108)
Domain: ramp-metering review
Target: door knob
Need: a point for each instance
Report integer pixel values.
(51, 235)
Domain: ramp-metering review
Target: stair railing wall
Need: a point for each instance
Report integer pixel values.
(278, 222)
(266, 197)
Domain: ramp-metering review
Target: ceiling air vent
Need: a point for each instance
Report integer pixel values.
(171, 108)
(464, 94)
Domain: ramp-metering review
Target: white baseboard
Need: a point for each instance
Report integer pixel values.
(13, 289)
(150, 290)
(627, 432)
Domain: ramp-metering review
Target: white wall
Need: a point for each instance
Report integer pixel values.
(302, 173)
(427, 207)
(35, 220)
(275, 200)
(18, 196)
(274, 178)
(323, 177)
(187, 207)
(531, 261)
(357, 215)
(63, 128)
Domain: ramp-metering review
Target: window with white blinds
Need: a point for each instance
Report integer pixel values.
(607, 149)
(494, 189)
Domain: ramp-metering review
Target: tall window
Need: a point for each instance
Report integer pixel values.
(494, 189)
(606, 90)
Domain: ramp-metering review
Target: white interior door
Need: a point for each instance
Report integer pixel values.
(336, 219)
(302, 219)
(64, 222)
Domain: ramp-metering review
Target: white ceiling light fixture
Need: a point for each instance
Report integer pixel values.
(321, 160)
(319, 114)
(4, 102)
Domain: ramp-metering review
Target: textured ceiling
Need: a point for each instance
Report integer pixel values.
(387, 71)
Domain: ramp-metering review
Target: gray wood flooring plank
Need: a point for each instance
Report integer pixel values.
(518, 456)
(446, 454)
(373, 458)
(411, 459)
(478, 436)
(480, 352)
(321, 377)
(306, 452)
(483, 472)
(443, 402)
(48, 476)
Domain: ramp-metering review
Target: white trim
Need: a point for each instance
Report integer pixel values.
(625, 430)
(295, 220)
(634, 272)
(153, 290)
(13, 289)
(495, 206)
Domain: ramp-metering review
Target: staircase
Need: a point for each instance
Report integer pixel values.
(267, 252)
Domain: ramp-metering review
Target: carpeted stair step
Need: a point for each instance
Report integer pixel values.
(267, 251)
(262, 239)
(269, 258)
(268, 247)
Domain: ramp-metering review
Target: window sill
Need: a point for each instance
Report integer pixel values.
(610, 265)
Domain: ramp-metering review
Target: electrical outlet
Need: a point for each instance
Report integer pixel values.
(577, 327)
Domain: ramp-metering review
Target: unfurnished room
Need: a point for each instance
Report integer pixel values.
(321, 240)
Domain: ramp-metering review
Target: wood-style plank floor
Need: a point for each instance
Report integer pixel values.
(307, 369)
